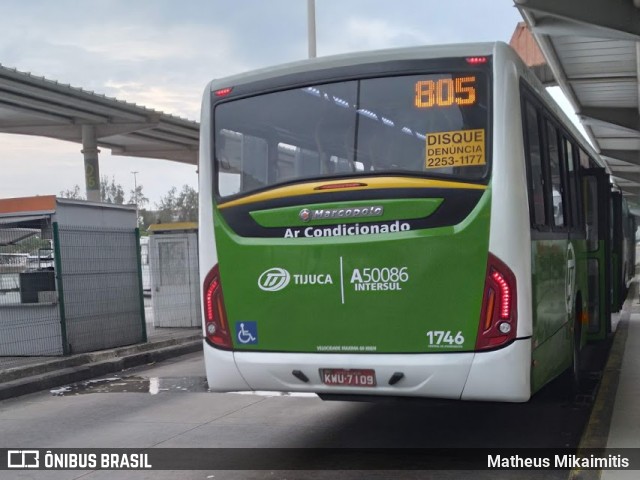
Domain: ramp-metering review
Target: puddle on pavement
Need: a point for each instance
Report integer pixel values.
(153, 386)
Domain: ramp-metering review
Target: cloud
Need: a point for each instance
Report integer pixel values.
(370, 34)
(181, 101)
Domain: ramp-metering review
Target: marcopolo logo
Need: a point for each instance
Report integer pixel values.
(274, 279)
(307, 215)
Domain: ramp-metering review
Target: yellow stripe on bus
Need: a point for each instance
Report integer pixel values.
(368, 183)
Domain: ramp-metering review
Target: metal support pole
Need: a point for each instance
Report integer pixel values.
(311, 27)
(91, 163)
(143, 319)
(135, 193)
(57, 257)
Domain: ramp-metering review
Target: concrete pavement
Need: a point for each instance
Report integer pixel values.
(615, 417)
(23, 375)
(624, 430)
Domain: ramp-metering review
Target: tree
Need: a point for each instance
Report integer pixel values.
(147, 217)
(138, 198)
(178, 207)
(73, 193)
(167, 207)
(187, 204)
(110, 191)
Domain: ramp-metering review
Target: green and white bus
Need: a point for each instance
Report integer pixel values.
(413, 222)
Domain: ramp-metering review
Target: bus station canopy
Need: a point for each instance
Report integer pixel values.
(31, 105)
(592, 48)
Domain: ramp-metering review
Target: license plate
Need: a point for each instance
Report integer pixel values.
(348, 378)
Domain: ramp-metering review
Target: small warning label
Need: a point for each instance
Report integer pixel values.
(460, 148)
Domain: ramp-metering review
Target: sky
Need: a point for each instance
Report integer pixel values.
(161, 54)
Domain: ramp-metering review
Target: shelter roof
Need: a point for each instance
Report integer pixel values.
(32, 105)
(592, 49)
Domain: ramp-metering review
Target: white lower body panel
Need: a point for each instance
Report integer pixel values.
(502, 375)
(499, 375)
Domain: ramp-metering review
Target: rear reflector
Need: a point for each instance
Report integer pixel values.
(498, 319)
(216, 325)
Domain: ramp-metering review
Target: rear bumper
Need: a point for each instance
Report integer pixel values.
(500, 375)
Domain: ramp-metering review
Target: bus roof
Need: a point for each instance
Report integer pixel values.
(357, 58)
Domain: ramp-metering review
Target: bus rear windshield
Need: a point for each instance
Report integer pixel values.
(432, 125)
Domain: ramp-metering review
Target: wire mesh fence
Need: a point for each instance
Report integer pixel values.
(67, 289)
(29, 312)
(174, 279)
(101, 288)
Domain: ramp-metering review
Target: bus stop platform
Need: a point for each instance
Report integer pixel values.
(23, 375)
(615, 417)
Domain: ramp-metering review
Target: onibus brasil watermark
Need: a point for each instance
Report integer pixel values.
(50, 460)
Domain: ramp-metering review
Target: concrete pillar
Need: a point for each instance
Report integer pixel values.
(91, 163)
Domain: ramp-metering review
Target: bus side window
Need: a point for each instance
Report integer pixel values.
(590, 202)
(584, 159)
(570, 162)
(557, 191)
(535, 173)
(591, 211)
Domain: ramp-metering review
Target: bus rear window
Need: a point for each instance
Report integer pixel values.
(429, 125)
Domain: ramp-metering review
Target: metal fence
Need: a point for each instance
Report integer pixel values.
(174, 279)
(69, 289)
(29, 314)
(99, 275)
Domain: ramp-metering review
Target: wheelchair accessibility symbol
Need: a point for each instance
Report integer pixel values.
(247, 333)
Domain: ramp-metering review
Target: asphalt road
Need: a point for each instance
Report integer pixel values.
(167, 405)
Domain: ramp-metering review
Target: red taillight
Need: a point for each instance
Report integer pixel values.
(498, 319)
(476, 60)
(223, 92)
(504, 295)
(215, 322)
